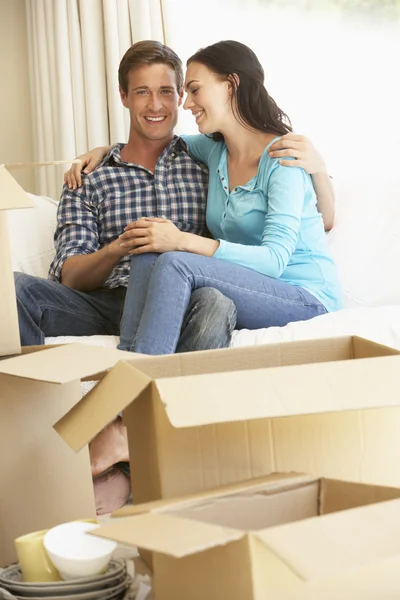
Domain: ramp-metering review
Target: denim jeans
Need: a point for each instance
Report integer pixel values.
(48, 308)
(160, 287)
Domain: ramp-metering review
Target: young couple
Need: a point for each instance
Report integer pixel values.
(267, 252)
(131, 238)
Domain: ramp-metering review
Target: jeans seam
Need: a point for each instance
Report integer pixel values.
(317, 303)
(178, 333)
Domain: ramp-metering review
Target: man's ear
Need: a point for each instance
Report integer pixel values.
(123, 96)
(180, 94)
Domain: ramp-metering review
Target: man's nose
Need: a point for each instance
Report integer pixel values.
(155, 102)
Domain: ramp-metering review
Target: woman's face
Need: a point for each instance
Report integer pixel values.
(208, 98)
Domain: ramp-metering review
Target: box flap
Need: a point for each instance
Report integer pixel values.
(268, 483)
(325, 546)
(11, 193)
(9, 329)
(101, 405)
(167, 534)
(280, 392)
(62, 364)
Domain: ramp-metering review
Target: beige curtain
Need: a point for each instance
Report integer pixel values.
(75, 47)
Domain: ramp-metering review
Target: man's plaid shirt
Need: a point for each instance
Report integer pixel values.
(117, 193)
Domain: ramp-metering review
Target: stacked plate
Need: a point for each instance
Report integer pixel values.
(110, 585)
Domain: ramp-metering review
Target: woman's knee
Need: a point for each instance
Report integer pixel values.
(144, 259)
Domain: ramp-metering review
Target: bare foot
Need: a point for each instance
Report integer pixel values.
(109, 447)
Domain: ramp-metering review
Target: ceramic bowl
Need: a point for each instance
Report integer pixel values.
(75, 553)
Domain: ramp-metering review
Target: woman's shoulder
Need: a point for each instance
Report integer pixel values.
(203, 147)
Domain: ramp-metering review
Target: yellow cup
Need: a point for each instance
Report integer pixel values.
(33, 559)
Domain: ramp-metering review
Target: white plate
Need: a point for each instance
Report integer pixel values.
(11, 578)
(107, 594)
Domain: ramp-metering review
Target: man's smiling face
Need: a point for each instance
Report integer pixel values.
(152, 99)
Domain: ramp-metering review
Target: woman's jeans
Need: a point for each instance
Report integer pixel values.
(160, 288)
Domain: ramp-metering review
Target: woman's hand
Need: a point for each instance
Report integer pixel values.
(298, 147)
(152, 235)
(87, 162)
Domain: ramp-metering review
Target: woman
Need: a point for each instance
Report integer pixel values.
(269, 253)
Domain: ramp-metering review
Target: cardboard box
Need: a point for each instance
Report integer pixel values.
(43, 483)
(200, 420)
(12, 196)
(281, 538)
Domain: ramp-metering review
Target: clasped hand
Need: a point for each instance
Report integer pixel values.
(151, 235)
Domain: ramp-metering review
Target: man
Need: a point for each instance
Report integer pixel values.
(151, 176)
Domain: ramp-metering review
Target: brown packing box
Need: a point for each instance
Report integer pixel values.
(43, 483)
(12, 196)
(198, 421)
(284, 537)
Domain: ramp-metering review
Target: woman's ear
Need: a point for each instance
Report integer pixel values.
(234, 81)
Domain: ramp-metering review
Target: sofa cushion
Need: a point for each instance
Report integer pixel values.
(365, 241)
(31, 236)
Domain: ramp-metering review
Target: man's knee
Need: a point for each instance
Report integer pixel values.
(30, 289)
(213, 301)
(213, 318)
(22, 283)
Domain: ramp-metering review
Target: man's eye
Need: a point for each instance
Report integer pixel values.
(166, 92)
(141, 92)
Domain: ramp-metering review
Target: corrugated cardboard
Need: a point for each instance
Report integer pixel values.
(43, 483)
(198, 421)
(12, 196)
(298, 537)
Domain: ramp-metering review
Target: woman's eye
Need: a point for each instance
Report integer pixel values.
(194, 92)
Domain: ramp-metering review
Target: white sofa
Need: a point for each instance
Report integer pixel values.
(365, 243)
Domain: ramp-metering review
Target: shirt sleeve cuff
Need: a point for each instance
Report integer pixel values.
(220, 252)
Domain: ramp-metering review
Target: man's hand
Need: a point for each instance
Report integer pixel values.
(151, 235)
(298, 147)
(87, 163)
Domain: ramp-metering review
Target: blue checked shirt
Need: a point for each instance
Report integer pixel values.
(117, 193)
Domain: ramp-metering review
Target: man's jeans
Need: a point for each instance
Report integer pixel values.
(47, 308)
(160, 288)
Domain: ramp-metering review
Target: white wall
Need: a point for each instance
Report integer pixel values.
(15, 109)
(335, 74)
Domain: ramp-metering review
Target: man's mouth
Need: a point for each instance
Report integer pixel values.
(156, 119)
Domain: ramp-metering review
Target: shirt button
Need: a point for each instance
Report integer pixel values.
(222, 178)
(225, 188)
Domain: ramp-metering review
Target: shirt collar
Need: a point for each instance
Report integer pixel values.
(176, 146)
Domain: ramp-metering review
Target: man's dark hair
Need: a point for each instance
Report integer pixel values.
(149, 52)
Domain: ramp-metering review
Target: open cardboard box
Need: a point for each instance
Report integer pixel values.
(43, 483)
(12, 196)
(200, 420)
(282, 537)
